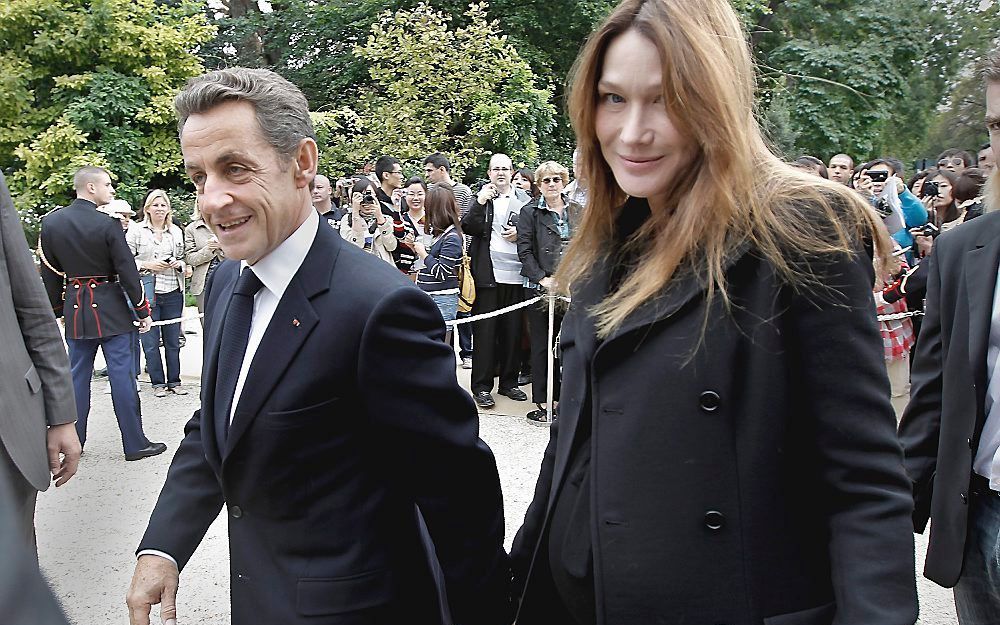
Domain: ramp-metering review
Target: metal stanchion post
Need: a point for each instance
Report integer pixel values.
(550, 357)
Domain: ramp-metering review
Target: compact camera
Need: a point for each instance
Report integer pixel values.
(368, 196)
(878, 175)
(930, 189)
(930, 230)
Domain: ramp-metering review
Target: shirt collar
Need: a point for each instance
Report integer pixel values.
(278, 268)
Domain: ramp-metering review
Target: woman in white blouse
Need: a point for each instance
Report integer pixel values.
(158, 246)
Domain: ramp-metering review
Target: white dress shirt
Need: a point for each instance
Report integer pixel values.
(275, 271)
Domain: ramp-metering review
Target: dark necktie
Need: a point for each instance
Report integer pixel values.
(235, 334)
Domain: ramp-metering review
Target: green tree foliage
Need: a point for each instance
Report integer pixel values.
(91, 83)
(868, 78)
(434, 87)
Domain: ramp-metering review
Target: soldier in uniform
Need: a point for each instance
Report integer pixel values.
(88, 271)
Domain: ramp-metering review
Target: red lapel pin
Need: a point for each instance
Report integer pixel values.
(295, 322)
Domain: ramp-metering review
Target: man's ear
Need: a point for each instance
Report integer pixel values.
(306, 162)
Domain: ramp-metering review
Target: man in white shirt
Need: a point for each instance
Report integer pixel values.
(352, 497)
(951, 427)
(492, 225)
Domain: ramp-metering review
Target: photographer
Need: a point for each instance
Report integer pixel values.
(366, 226)
(899, 208)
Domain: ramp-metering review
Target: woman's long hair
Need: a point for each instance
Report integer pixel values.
(441, 210)
(733, 190)
(152, 195)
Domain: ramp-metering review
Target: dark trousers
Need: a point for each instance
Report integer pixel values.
(497, 339)
(167, 306)
(538, 328)
(23, 498)
(121, 373)
(977, 593)
(464, 336)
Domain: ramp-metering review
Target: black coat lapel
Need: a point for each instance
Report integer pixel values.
(980, 274)
(292, 323)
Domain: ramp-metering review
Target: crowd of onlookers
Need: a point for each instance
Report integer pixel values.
(476, 251)
(915, 209)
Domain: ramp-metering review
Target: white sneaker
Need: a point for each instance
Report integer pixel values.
(467, 363)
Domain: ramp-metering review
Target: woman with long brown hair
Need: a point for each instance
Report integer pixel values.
(725, 450)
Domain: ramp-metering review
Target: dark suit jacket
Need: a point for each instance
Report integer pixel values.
(80, 241)
(941, 426)
(35, 385)
(478, 225)
(351, 418)
(741, 473)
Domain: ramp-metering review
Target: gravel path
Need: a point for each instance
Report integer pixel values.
(88, 530)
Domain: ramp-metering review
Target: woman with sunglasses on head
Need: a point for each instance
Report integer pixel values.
(725, 450)
(544, 229)
(158, 246)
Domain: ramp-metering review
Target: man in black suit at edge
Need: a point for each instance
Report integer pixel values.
(332, 426)
(951, 428)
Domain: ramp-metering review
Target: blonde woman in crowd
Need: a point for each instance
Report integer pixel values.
(158, 246)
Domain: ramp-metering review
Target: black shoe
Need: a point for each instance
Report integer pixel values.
(484, 399)
(523, 379)
(514, 393)
(153, 449)
(538, 417)
(101, 373)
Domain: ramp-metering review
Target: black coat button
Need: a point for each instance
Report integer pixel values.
(236, 512)
(714, 520)
(709, 401)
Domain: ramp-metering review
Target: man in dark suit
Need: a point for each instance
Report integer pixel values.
(332, 427)
(951, 427)
(88, 271)
(37, 436)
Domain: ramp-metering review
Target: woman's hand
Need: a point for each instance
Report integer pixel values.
(547, 283)
(924, 243)
(155, 266)
(419, 248)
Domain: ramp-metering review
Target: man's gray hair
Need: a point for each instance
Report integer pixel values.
(281, 108)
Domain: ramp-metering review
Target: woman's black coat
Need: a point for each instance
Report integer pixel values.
(742, 473)
(539, 243)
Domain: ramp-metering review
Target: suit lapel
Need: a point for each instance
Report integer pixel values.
(980, 274)
(293, 321)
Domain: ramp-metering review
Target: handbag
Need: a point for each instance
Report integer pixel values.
(466, 285)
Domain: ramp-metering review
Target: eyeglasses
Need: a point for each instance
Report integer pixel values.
(954, 162)
(552, 180)
(500, 169)
(396, 171)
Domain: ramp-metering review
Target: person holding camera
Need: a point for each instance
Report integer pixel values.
(439, 247)
(366, 226)
(158, 246)
(492, 225)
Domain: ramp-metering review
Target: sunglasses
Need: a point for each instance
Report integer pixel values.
(552, 180)
(950, 161)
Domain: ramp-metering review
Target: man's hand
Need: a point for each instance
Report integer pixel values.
(62, 439)
(487, 193)
(155, 581)
(145, 324)
(509, 234)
